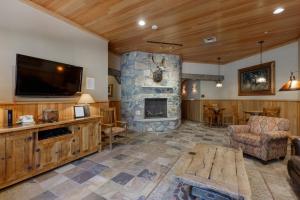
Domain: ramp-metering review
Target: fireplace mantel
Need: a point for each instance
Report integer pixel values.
(157, 86)
(156, 119)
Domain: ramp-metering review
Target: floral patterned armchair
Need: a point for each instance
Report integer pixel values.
(263, 137)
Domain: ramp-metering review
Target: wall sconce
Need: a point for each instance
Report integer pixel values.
(184, 90)
(292, 84)
(194, 89)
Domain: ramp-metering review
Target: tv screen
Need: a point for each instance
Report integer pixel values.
(39, 77)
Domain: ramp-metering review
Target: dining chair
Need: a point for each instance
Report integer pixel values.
(113, 129)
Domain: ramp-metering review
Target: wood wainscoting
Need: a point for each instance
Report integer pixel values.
(36, 108)
(117, 105)
(193, 109)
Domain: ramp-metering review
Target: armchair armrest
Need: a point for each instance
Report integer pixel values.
(274, 135)
(236, 129)
(122, 123)
(296, 146)
(107, 125)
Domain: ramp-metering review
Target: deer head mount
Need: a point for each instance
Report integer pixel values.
(158, 71)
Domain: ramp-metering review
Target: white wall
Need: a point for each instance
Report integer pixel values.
(286, 60)
(298, 65)
(207, 88)
(114, 60)
(116, 89)
(28, 31)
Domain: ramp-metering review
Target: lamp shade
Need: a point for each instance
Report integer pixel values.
(291, 85)
(219, 84)
(86, 99)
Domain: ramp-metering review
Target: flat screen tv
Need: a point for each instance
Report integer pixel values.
(44, 78)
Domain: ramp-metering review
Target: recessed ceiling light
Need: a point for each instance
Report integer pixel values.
(141, 22)
(154, 27)
(211, 39)
(278, 10)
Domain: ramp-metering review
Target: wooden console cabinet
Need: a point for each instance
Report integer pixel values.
(24, 152)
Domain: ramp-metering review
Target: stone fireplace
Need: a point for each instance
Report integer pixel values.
(156, 108)
(150, 106)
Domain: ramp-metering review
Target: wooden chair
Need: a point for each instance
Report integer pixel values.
(271, 112)
(205, 114)
(112, 128)
(211, 116)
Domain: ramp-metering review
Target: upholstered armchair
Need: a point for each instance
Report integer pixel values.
(294, 162)
(263, 137)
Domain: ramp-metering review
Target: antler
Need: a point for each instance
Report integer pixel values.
(161, 64)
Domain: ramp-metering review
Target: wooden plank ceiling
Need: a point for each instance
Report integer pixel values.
(237, 24)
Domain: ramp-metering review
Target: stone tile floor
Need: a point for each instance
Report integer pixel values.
(141, 168)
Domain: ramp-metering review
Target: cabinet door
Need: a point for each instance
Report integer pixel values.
(93, 136)
(99, 136)
(19, 155)
(66, 149)
(2, 159)
(85, 139)
(47, 154)
(75, 148)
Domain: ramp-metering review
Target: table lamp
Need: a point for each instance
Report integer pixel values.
(85, 100)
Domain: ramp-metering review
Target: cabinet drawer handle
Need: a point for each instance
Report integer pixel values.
(2, 158)
(29, 168)
(38, 165)
(73, 140)
(29, 138)
(38, 150)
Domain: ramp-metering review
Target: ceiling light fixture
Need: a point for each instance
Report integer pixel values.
(141, 22)
(219, 82)
(211, 39)
(278, 10)
(261, 78)
(154, 27)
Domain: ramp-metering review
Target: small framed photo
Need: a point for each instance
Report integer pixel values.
(79, 112)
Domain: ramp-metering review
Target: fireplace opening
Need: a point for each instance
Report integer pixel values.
(156, 108)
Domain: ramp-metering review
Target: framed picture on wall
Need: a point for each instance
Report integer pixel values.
(110, 90)
(257, 80)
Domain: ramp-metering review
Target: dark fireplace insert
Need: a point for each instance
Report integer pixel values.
(156, 108)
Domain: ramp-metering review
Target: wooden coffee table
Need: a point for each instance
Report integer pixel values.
(214, 171)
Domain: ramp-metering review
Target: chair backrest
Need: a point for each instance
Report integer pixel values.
(271, 112)
(109, 115)
(263, 124)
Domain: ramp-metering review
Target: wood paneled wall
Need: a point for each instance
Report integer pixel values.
(193, 109)
(36, 108)
(117, 105)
